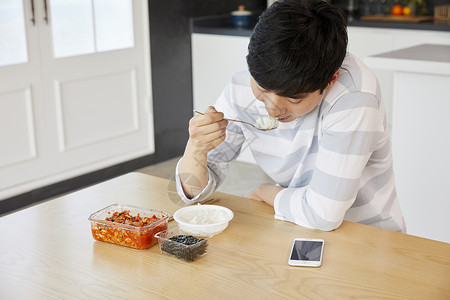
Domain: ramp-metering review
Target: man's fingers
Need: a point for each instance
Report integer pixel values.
(210, 143)
(196, 130)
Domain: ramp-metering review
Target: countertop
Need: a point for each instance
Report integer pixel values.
(221, 24)
(426, 58)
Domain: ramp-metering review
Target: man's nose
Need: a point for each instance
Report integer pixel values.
(275, 105)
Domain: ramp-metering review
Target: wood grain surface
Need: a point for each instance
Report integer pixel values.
(47, 252)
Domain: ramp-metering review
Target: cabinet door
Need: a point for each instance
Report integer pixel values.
(214, 59)
(410, 38)
(421, 161)
(363, 41)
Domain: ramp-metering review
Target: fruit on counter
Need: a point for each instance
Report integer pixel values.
(407, 11)
(397, 10)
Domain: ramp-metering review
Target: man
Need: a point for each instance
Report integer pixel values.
(331, 154)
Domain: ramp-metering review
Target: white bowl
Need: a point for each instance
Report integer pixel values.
(203, 220)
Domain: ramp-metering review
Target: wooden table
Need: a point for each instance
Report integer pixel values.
(47, 252)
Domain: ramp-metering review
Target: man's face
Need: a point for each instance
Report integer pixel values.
(283, 108)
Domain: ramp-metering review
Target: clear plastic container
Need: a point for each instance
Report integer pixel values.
(138, 237)
(169, 244)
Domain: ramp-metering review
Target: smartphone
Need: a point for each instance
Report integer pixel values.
(306, 252)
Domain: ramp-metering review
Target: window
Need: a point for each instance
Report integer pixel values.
(13, 45)
(89, 26)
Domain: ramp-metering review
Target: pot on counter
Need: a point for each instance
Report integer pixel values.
(241, 17)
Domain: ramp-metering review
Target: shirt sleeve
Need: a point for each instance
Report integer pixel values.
(205, 193)
(350, 133)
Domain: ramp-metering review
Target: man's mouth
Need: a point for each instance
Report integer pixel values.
(281, 119)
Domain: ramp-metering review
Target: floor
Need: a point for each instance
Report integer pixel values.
(241, 176)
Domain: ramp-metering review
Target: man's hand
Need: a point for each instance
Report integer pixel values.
(207, 131)
(266, 192)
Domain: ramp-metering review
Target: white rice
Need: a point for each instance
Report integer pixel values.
(266, 122)
(203, 217)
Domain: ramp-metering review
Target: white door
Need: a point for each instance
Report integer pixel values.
(94, 75)
(79, 99)
(21, 101)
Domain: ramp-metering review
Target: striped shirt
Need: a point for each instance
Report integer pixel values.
(335, 162)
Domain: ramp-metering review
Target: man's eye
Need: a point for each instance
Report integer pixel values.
(295, 101)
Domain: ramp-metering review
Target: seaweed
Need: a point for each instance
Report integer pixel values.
(185, 247)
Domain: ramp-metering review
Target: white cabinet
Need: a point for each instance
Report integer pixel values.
(76, 99)
(365, 41)
(421, 115)
(409, 38)
(421, 160)
(214, 59)
(418, 106)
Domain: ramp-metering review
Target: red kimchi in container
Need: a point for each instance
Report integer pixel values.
(128, 225)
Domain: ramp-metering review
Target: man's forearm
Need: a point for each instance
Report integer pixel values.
(193, 171)
(265, 192)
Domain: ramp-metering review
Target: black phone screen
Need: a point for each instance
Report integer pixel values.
(306, 250)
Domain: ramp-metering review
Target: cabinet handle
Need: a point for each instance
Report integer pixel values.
(46, 12)
(33, 19)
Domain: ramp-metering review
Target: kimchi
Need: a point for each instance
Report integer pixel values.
(124, 229)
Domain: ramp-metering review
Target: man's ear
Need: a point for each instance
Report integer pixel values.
(333, 79)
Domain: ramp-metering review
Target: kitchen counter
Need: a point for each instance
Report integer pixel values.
(426, 58)
(221, 24)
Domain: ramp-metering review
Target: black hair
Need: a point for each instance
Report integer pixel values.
(297, 46)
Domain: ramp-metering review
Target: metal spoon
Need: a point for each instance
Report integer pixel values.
(262, 129)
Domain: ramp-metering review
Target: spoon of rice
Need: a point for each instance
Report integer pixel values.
(263, 123)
